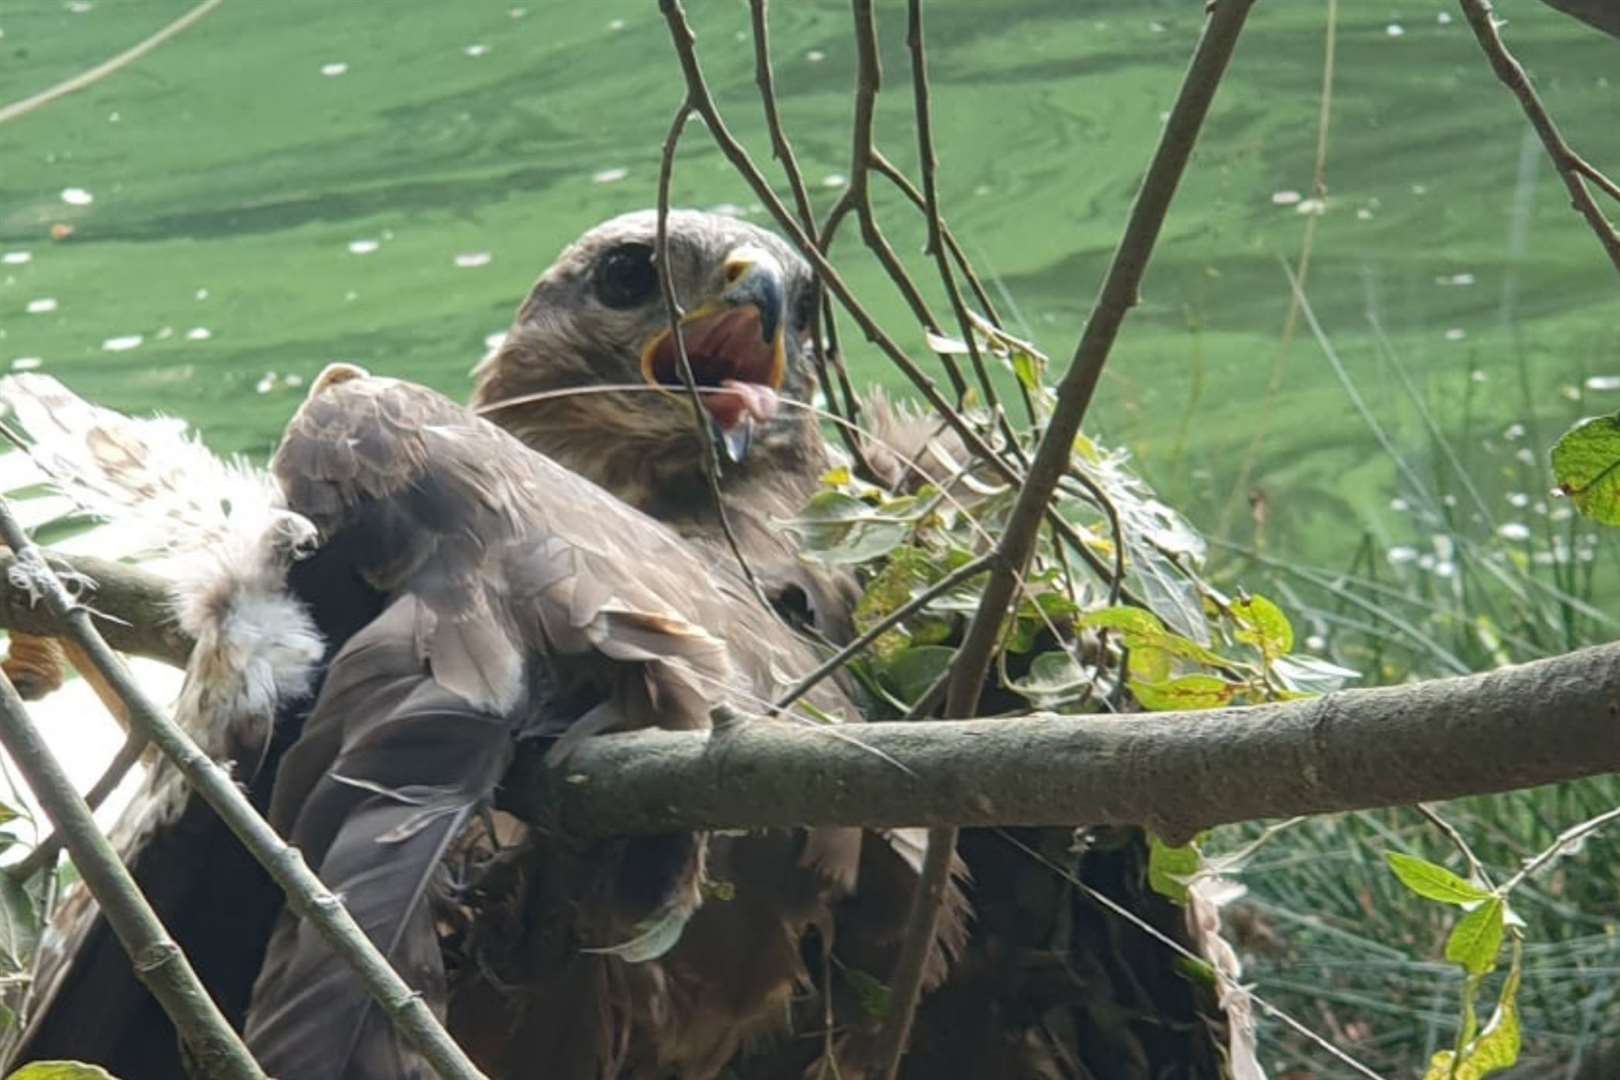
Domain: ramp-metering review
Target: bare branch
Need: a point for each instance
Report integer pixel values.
(1571, 168)
(702, 101)
(1117, 296)
(1177, 773)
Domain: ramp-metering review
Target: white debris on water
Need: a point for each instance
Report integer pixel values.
(609, 176)
(16, 258)
(1285, 198)
(26, 363)
(123, 343)
(77, 196)
(472, 259)
(199, 333)
(42, 306)
(834, 180)
(476, 50)
(1456, 333)
(1395, 30)
(362, 247)
(333, 70)
(1514, 530)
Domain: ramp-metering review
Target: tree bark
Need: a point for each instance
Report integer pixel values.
(1177, 773)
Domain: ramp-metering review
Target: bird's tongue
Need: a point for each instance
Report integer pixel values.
(741, 399)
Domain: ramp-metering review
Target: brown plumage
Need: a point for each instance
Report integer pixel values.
(529, 603)
(589, 322)
(419, 709)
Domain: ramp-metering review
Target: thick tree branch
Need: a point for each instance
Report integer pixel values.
(1177, 773)
(1544, 722)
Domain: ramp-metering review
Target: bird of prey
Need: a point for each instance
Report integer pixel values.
(528, 602)
(592, 321)
(596, 319)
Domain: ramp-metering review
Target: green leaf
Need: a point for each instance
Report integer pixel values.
(1477, 937)
(838, 528)
(1495, 1049)
(1148, 664)
(914, 671)
(8, 813)
(1197, 970)
(1171, 868)
(870, 992)
(1186, 692)
(1433, 882)
(893, 587)
(19, 925)
(1029, 368)
(1052, 677)
(1143, 629)
(61, 1070)
(1586, 465)
(1263, 625)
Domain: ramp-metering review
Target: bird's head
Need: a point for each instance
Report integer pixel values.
(597, 318)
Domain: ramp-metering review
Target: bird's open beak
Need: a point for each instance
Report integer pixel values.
(735, 345)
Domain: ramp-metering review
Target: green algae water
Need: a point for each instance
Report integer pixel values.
(287, 184)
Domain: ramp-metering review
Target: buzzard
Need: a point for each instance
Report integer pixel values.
(527, 603)
(588, 375)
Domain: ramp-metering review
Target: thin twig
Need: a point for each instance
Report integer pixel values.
(891, 172)
(782, 148)
(1116, 582)
(1115, 299)
(1475, 867)
(108, 67)
(935, 245)
(1108, 902)
(1560, 846)
(702, 101)
(158, 962)
(868, 82)
(711, 458)
(305, 893)
(1571, 168)
(876, 630)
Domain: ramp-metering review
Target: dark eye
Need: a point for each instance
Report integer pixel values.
(625, 276)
